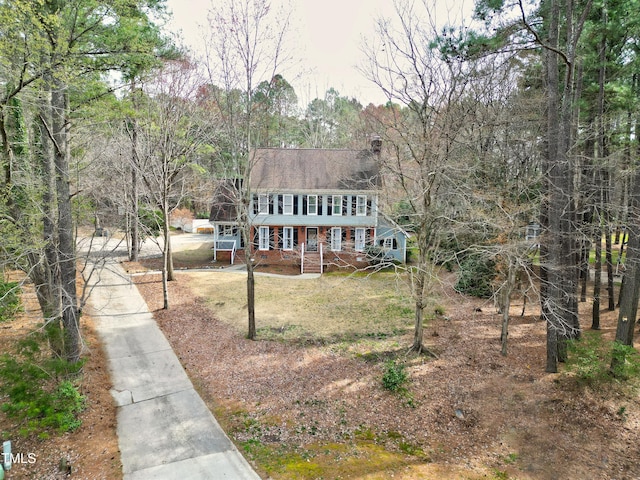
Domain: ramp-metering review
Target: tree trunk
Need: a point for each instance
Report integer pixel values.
(506, 306)
(44, 272)
(631, 282)
(168, 251)
(597, 279)
(167, 264)
(584, 268)
(609, 260)
(629, 294)
(134, 207)
(251, 301)
(251, 283)
(419, 282)
(66, 243)
(554, 203)
(562, 265)
(418, 327)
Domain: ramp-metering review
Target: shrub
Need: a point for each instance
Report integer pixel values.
(151, 220)
(475, 276)
(9, 300)
(39, 390)
(595, 362)
(395, 376)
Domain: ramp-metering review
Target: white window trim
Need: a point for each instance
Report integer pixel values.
(361, 205)
(263, 204)
(309, 197)
(336, 201)
(288, 211)
(263, 238)
(388, 243)
(359, 241)
(287, 238)
(336, 239)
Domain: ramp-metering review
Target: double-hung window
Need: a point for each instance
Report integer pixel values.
(336, 205)
(287, 238)
(312, 205)
(263, 238)
(287, 204)
(263, 204)
(336, 239)
(361, 205)
(359, 240)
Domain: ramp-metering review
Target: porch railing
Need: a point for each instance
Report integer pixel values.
(302, 256)
(224, 246)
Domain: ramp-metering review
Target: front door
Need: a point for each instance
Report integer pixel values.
(312, 239)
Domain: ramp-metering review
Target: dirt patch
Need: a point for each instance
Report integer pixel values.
(310, 410)
(92, 450)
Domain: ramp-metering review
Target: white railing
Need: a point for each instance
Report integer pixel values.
(219, 245)
(321, 251)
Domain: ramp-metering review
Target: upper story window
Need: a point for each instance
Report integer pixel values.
(361, 205)
(263, 204)
(336, 205)
(312, 205)
(287, 204)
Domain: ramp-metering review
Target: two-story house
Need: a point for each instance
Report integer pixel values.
(312, 207)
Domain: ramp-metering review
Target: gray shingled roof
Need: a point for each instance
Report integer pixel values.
(314, 169)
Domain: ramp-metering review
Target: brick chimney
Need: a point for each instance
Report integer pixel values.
(376, 145)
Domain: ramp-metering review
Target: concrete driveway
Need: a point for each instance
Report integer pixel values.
(165, 430)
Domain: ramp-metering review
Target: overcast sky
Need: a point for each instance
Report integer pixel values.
(328, 37)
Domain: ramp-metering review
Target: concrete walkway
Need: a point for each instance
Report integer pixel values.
(165, 430)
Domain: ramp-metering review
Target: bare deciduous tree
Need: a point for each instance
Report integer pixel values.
(420, 128)
(244, 49)
(169, 135)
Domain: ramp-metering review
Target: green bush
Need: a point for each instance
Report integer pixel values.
(9, 300)
(475, 276)
(596, 362)
(39, 390)
(625, 361)
(151, 220)
(395, 376)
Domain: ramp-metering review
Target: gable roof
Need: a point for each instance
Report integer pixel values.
(314, 169)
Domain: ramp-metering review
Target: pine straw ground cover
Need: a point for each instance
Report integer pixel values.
(306, 399)
(91, 451)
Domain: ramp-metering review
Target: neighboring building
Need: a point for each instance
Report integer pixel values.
(313, 207)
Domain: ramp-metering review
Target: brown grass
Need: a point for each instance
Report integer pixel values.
(326, 309)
